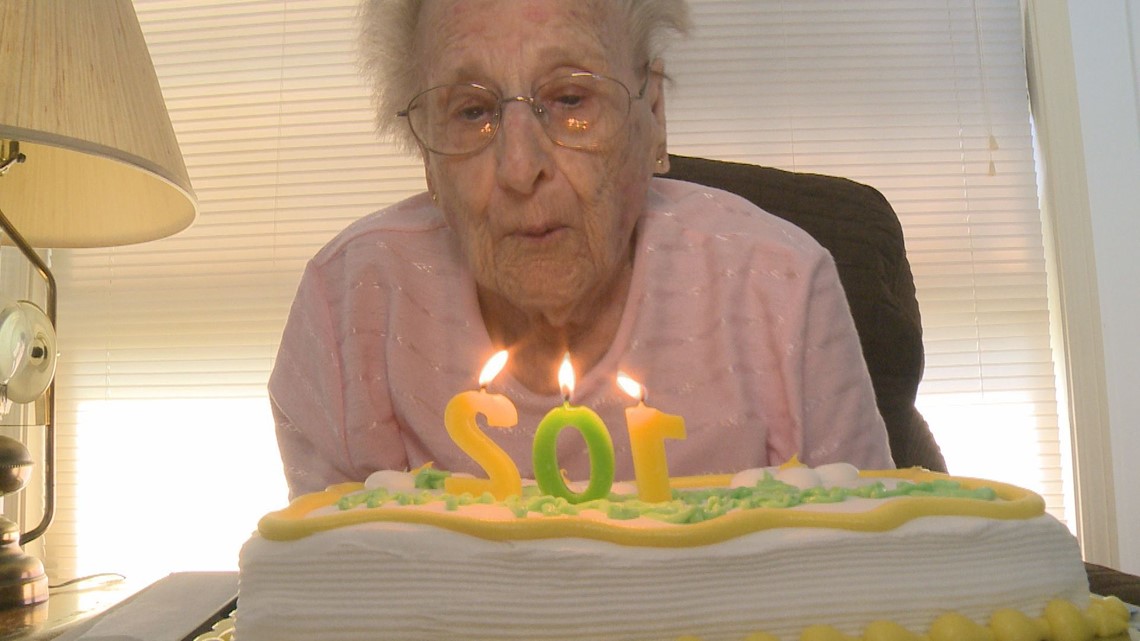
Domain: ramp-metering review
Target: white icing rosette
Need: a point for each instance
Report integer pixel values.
(801, 476)
(391, 480)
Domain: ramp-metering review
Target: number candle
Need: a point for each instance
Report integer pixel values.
(503, 478)
(593, 431)
(648, 429)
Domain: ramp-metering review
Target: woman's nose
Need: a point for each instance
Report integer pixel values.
(522, 149)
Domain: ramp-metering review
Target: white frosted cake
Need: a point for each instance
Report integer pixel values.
(794, 553)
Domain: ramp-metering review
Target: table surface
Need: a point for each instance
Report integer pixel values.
(1109, 582)
(66, 607)
(177, 607)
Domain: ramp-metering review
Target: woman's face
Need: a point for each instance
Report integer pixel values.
(544, 226)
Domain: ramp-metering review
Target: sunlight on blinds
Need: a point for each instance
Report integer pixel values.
(169, 344)
(166, 346)
(927, 102)
(197, 476)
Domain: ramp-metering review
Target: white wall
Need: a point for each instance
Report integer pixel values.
(1104, 55)
(1093, 144)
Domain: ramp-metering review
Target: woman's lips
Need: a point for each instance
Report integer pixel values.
(539, 233)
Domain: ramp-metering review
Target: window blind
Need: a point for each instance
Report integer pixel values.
(168, 455)
(926, 101)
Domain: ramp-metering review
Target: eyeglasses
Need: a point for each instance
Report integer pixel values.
(580, 111)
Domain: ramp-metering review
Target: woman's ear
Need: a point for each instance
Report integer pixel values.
(427, 175)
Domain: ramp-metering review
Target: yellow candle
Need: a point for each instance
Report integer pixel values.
(503, 477)
(648, 429)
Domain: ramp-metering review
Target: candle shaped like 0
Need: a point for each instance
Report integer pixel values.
(503, 477)
(593, 431)
(648, 429)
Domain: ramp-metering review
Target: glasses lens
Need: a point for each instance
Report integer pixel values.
(454, 119)
(582, 110)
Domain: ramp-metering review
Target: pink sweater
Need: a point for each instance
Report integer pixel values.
(736, 320)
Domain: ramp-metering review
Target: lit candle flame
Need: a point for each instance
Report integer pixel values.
(566, 378)
(492, 368)
(631, 387)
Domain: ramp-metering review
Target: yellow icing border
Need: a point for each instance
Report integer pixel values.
(1014, 502)
(1103, 618)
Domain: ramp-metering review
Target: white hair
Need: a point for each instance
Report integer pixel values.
(389, 59)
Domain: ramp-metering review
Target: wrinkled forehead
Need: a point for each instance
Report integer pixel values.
(518, 40)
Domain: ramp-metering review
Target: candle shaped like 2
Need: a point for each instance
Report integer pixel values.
(598, 442)
(503, 477)
(648, 429)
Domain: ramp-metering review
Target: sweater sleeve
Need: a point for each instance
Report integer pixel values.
(841, 421)
(305, 393)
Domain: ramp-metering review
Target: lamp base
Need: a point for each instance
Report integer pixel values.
(22, 578)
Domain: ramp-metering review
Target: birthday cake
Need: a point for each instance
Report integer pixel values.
(775, 553)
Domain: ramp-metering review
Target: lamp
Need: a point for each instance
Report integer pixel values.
(88, 158)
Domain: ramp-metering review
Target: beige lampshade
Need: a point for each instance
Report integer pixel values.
(79, 93)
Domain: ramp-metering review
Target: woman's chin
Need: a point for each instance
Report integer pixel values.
(551, 293)
(548, 303)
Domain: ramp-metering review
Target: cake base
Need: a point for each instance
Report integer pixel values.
(890, 555)
(406, 582)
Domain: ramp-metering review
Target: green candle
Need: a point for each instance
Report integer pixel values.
(598, 442)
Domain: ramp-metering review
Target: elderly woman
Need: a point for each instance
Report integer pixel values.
(544, 232)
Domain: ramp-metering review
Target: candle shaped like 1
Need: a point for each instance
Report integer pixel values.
(648, 429)
(598, 442)
(503, 477)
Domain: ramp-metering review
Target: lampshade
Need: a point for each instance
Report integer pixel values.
(88, 158)
(79, 93)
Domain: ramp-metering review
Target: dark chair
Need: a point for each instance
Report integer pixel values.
(860, 229)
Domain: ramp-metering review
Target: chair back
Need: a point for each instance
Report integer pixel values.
(861, 230)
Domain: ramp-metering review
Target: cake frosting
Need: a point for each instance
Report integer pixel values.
(793, 552)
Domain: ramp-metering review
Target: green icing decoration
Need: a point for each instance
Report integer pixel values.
(687, 506)
(620, 512)
(430, 478)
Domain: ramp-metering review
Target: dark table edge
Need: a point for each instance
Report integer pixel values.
(222, 613)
